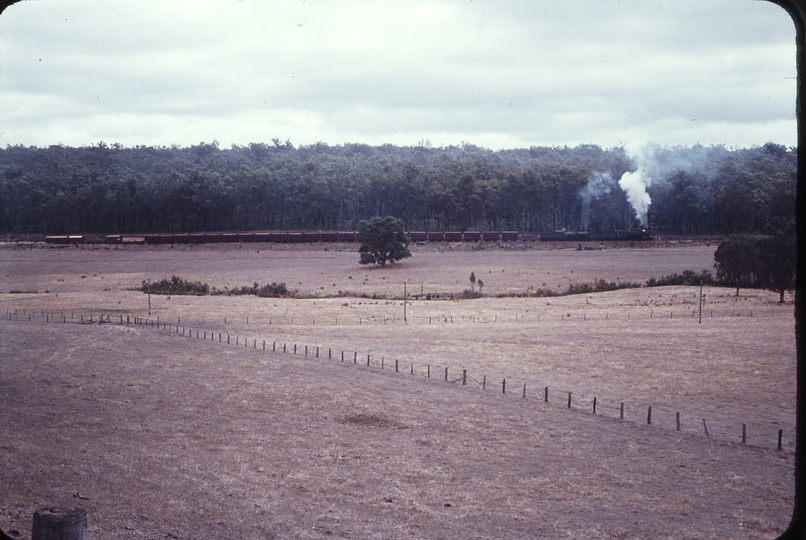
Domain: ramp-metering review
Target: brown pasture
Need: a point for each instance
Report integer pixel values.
(174, 436)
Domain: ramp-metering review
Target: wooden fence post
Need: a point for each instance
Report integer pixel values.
(429, 371)
(744, 432)
(649, 416)
(446, 374)
(524, 390)
(569, 400)
(594, 404)
(546, 395)
(705, 426)
(59, 523)
(464, 377)
(677, 420)
(396, 365)
(780, 436)
(621, 413)
(504, 385)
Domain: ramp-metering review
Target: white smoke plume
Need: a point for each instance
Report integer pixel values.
(635, 183)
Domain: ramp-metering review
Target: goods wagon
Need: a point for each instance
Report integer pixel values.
(436, 236)
(472, 236)
(330, 236)
(418, 236)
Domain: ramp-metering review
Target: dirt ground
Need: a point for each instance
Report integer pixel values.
(173, 436)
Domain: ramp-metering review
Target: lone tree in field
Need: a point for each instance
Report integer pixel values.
(777, 257)
(735, 262)
(382, 240)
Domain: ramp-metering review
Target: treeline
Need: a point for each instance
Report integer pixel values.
(768, 262)
(114, 189)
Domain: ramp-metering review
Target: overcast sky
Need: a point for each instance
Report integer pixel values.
(495, 73)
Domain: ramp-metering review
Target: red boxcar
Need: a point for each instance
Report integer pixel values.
(329, 236)
(418, 236)
(472, 236)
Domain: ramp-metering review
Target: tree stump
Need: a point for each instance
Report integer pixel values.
(56, 523)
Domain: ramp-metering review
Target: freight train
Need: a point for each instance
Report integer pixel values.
(298, 237)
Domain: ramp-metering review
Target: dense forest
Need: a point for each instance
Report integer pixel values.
(114, 189)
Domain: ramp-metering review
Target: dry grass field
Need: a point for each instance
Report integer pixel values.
(172, 436)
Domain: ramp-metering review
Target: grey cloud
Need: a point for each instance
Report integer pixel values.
(518, 71)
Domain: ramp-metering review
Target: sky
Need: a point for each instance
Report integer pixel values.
(496, 73)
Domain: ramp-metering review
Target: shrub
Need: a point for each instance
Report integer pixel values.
(688, 277)
(176, 285)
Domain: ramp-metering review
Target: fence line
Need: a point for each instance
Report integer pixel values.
(729, 431)
(532, 318)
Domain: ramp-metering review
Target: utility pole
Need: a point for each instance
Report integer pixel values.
(405, 299)
(700, 302)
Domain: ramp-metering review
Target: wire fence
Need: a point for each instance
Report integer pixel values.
(770, 435)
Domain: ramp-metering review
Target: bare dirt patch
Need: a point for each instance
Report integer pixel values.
(171, 435)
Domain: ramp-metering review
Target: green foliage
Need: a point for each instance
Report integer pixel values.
(736, 262)
(600, 285)
(469, 294)
(176, 285)
(777, 262)
(688, 277)
(270, 290)
(383, 240)
(769, 262)
(113, 189)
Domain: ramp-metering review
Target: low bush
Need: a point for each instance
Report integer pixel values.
(176, 285)
(688, 277)
(269, 290)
